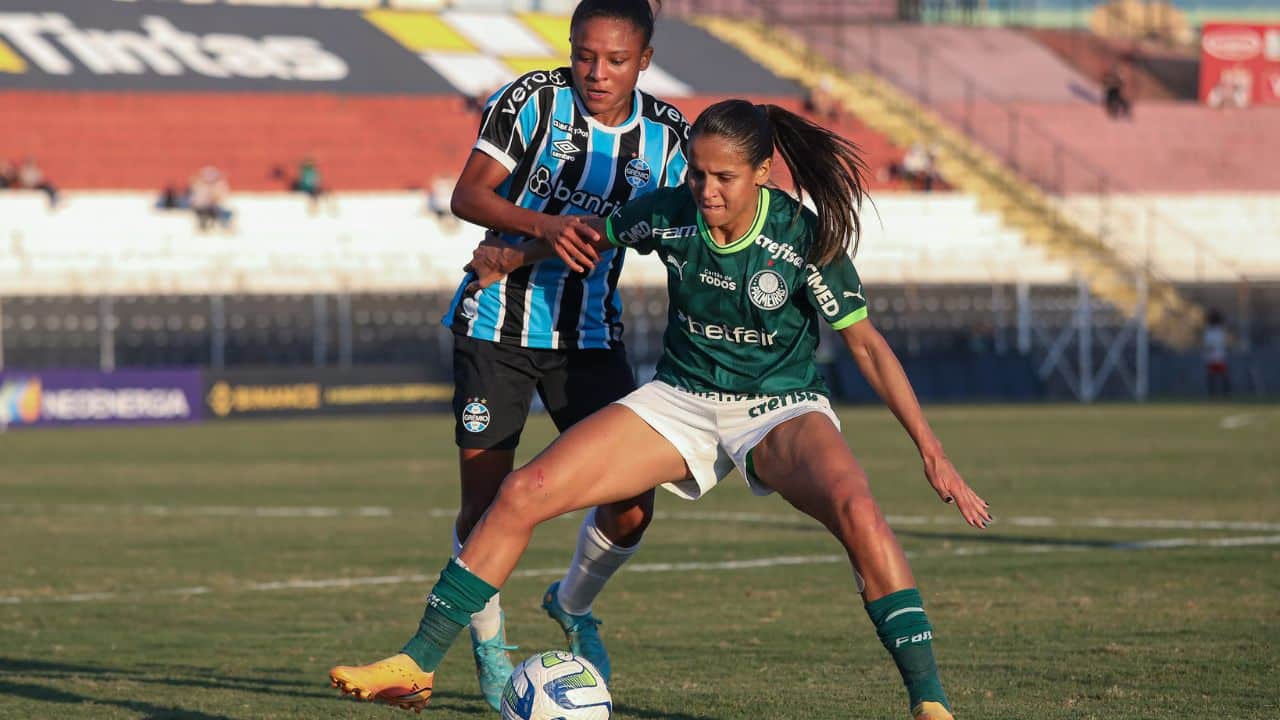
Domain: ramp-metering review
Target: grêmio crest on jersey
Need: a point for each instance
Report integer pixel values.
(563, 162)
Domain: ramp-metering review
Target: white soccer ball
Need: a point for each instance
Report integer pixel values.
(556, 685)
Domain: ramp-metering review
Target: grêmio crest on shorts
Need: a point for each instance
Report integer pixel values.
(563, 162)
(742, 318)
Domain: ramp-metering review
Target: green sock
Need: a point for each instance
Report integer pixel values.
(457, 595)
(905, 631)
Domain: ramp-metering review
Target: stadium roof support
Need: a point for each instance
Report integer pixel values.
(1100, 352)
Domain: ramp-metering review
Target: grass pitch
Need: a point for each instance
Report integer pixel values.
(217, 572)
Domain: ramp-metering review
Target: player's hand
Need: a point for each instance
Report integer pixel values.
(952, 489)
(491, 261)
(573, 241)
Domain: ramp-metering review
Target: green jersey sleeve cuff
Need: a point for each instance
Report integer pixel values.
(608, 230)
(851, 318)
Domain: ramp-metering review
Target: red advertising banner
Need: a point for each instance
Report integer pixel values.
(1240, 64)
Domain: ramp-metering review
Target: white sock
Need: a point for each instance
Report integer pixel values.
(595, 560)
(486, 623)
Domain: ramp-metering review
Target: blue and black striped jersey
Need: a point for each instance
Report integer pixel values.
(562, 161)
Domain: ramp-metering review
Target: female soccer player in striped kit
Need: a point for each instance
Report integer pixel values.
(753, 273)
(553, 146)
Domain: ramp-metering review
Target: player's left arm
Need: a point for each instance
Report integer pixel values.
(836, 291)
(883, 371)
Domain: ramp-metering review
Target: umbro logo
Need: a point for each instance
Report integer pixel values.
(564, 149)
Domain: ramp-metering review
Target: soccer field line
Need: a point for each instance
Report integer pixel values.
(373, 511)
(704, 566)
(1239, 420)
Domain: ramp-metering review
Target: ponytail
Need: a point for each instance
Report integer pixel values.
(823, 165)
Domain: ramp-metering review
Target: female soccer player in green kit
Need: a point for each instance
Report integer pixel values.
(751, 272)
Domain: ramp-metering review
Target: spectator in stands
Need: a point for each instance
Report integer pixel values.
(918, 167)
(308, 181)
(31, 177)
(439, 196)
(173, 198)
(821, 101)
(1114, 99)
(8, 174)
(1217, 377)
(209, 190)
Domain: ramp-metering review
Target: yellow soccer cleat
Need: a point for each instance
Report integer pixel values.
(931, 711)
(396, 680)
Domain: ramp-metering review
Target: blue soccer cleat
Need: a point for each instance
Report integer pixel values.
(580, 630)
(493, 664)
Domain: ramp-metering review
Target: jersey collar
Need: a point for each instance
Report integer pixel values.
(762, 212)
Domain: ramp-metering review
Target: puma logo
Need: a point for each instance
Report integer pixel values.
(678, 266)
(857, 295)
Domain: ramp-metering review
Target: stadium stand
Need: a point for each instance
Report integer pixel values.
(925, 60)
(1231, 235)
(1165, 147)
(369, 269)
(146, 140)
(1149, 73)
(386, 242)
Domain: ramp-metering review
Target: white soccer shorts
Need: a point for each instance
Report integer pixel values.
(715, 431)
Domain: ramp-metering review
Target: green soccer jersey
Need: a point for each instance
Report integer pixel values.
(742, 318)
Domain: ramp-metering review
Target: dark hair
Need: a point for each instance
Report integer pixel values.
(824, 165)
(639, 12)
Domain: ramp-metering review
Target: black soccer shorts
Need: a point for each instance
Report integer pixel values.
(493, 388)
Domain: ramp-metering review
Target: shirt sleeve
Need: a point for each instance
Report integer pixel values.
(836, 291)
(632, 226)
(509, 122)
(677, 157)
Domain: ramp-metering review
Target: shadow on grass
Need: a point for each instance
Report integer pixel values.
(630, 711)
(147, 710)
(988, 538)
(69, 672)
(972, 536)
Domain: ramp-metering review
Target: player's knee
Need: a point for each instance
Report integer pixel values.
(523, 498)
(856, 514)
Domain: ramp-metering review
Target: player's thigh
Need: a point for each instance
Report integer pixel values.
(585, 382)
(609, 457)
(582, 382)
(808, 463)
(492, 389)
